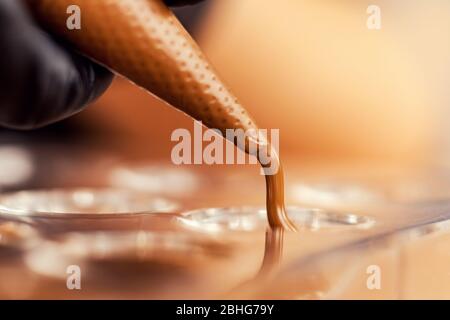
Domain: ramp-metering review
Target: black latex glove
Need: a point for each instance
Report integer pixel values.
(41, 81)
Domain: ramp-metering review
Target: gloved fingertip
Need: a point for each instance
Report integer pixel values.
(94, 79)
(176, 3)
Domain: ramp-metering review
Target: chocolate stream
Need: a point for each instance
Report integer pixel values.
(143, 41)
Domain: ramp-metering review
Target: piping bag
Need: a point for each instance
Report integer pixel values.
(143, 41)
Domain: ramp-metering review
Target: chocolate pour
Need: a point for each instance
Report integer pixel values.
(276, 210)
(172, 66)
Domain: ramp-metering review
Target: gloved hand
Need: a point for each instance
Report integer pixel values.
(41, 81)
